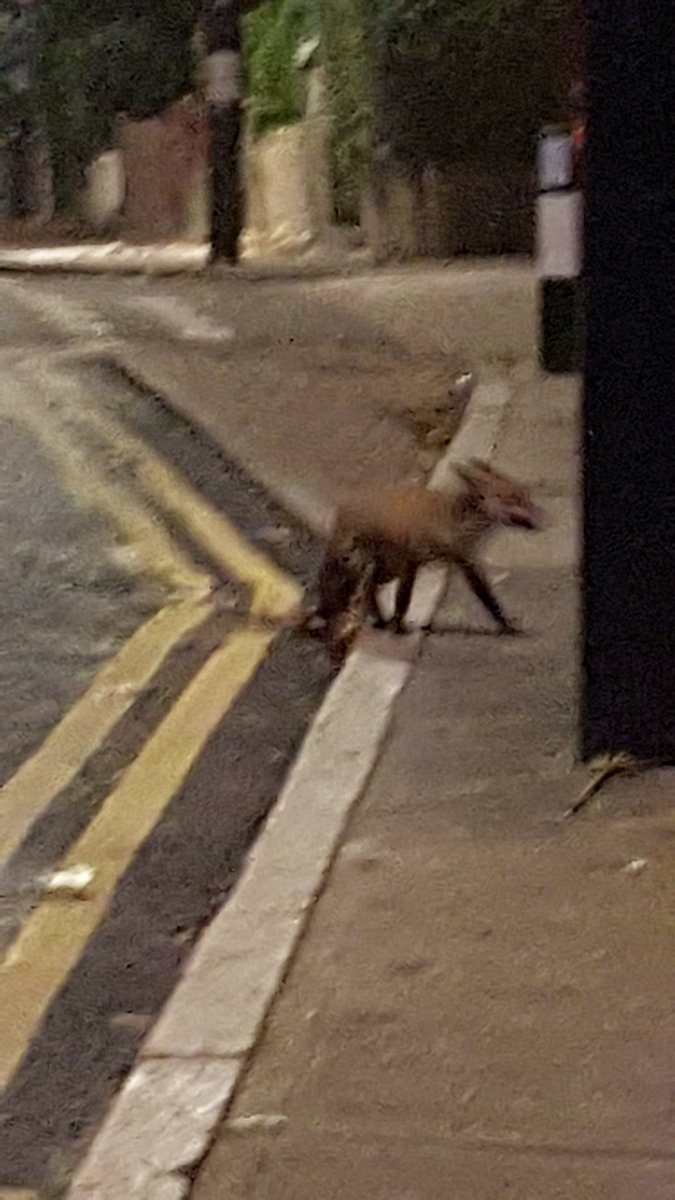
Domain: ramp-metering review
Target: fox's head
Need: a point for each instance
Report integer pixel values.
(502, 500)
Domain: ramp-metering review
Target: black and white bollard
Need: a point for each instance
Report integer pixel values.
(559, 253)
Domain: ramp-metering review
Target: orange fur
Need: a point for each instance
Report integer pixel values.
(386, 535)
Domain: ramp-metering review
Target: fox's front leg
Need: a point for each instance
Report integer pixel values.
(481, 589)
(371, 596)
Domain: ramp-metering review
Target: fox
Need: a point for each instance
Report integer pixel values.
(386, 536)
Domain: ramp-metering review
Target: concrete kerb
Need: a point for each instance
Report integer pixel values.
(180, 258)
(162, 1122)
(107, 258)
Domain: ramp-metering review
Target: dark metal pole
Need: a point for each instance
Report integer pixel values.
(222, 28)
(628, 667)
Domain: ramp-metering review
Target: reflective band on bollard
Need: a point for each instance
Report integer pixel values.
(558, 253)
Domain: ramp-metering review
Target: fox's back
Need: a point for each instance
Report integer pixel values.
(386, 533)
(410, 520)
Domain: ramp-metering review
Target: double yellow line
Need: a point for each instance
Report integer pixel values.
(55, 934)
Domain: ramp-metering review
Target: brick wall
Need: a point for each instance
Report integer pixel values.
(164, 159)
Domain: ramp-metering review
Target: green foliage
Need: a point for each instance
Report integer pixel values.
(439, 81)
(16, 43)
(346, 59)
(274, 85)
(412, 24)
(75, 129)
(120, 54)
(452, 79)
(276, 88)
(465, 80)
(93, 66)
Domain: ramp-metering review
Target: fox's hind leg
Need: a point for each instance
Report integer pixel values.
(378, 577)
(375, 579)
(481, 589)
(404, 593)
(338, 580)
(343, 580)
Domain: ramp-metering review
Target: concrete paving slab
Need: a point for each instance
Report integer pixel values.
(325, 1165)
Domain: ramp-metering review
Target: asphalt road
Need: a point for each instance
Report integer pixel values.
(94, 561)
(67, 603)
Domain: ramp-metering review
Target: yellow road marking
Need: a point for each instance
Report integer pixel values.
(62, 755)
(54, 936)
(274, 592)
(155, 549)
(65, 750)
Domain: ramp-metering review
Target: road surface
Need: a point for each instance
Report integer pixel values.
(148, 719)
